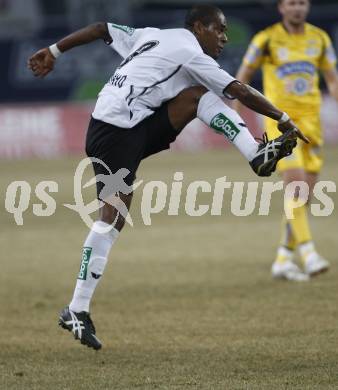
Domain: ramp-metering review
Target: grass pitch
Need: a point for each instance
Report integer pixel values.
(187, 303)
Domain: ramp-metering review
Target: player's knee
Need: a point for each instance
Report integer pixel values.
(295, 175)
(107, 213)
(112, 215)
(191, 97)
(120, 222)
(197, 92)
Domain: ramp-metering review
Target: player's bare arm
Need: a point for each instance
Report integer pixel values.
(42, 62)
(244, 75)
(331, 79)
(257, 102)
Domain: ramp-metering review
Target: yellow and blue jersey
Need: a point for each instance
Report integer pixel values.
(291, 65)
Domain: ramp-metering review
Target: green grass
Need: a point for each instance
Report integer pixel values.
(187, 303)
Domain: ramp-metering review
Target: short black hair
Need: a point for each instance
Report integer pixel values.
(204, 13)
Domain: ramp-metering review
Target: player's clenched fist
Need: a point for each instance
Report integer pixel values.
(41, 62)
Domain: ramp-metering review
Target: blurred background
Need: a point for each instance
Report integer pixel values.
(64, 99)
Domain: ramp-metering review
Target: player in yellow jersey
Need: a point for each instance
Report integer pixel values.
(291, 54)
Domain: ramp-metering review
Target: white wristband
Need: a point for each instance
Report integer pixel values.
(284, 118)
(55, 50)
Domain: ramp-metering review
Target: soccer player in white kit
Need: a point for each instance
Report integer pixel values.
(166, 79)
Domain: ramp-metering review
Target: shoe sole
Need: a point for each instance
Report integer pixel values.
(288, 279)
(83, 341)
(285, 150)
(319, 272)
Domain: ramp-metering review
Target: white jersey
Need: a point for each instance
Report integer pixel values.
(157, 65)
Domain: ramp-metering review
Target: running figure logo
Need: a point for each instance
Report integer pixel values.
(113, 185)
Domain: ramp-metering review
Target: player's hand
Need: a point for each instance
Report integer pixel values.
(290, 125)
(41, 62)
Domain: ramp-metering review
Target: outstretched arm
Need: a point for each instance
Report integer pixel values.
(42, 62)
(244, 75)
(257, 102)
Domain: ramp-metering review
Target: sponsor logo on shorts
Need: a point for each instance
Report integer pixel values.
(221, 124)
(86, 253)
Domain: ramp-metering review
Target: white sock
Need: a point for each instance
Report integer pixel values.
(285, 252)
(284, 255)
(224, 120)
(307, 249)
(94, 259)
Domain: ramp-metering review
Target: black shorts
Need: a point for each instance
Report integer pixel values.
(125, 148)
